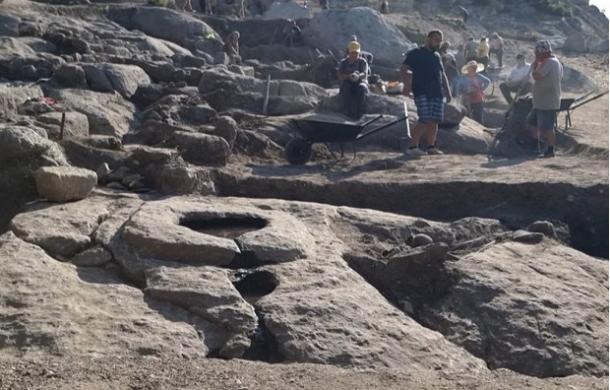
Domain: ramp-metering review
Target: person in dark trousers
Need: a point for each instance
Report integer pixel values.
(547, 72)
(423, 75)
(352, 74)
(519, 80)
(464, 13)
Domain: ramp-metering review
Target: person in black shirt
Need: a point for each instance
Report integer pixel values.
(424, 76)
(352, 74)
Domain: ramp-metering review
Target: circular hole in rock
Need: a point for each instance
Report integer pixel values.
(256, 285)
(229, 227)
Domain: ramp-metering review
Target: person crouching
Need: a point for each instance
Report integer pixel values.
(352, 74)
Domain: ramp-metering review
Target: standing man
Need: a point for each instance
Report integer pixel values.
(352, 75)
(518, 81)
(470, 50)
(231, 47)
(496, 46)
(423, 75)
(547, 72)
(449, 64)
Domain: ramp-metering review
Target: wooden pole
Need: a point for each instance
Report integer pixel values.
(266, 103)
(63, 124)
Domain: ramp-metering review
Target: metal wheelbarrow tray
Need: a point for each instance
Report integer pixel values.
(310, 131)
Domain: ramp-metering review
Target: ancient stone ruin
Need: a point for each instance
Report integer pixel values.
(167, 223)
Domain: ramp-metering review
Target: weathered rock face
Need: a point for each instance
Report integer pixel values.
(61, 184)
(108, 113)
(123, 79)
(200, 148)
(536, 309)
(22, 151)
(56, 309)
(332, 30)
(207, 292)
(179, 28)
(76, 124)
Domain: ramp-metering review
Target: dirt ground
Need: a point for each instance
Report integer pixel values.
(149, 374)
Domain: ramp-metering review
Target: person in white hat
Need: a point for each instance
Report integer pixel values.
(472, 86)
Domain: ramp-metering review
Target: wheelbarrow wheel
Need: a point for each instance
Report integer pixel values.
(298, 151)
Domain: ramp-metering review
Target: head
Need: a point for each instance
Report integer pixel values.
(353, 38)
(353, 50)
(495, 35)
(471, 39)
(234, 36)
(520, 59)
(543, 49)
(434, 40)
(445, 46)
(471, 68)
(483, 39)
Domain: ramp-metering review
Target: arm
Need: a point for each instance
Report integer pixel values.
(446, 87)
(406, 76)
(539, 71)
(484, 82)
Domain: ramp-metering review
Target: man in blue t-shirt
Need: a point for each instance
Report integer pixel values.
(423, 75)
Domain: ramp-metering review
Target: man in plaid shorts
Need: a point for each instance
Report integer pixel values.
(423, 75)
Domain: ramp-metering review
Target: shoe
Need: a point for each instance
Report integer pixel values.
(434, 151)
(415, 152)
(549, 153)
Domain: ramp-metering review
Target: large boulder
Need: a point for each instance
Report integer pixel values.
(13, 94)
(536, 309)
(22, 151)
(61, 184)
(124, 79)
(178, 27)
(108, 113)
(331, 30)
(286, 10)
(200, 148)
(75, 125)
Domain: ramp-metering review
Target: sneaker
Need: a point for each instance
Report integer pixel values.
(434, 151)
(415, 152)
(549, 153)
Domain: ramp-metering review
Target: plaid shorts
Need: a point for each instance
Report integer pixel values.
(429, 109)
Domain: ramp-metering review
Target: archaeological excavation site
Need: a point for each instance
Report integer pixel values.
(293, 194)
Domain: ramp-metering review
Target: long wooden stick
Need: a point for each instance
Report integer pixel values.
(266, 103)
(63, 124)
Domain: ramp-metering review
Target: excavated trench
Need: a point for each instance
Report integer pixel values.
(253, 286)
(584, 209)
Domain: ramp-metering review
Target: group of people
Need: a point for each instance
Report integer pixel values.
(430, 75)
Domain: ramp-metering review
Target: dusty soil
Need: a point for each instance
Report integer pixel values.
(241, 375)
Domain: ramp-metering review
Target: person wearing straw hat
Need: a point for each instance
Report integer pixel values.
(352, 74)
(472, 86)
(547, 72)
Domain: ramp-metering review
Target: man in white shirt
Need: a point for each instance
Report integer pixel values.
(519, 80)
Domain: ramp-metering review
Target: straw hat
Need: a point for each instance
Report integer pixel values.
(353, 47)
(472, 64)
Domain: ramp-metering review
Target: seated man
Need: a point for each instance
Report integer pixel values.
(518, 81)
(293, 34)
(352, 74)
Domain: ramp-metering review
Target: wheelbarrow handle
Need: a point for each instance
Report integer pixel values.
(377, 129)
(372, 120)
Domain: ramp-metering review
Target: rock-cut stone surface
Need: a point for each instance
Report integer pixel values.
(540, 309)
(49, 308)
(62, 184)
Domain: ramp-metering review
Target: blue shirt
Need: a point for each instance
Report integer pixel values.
(427, 68)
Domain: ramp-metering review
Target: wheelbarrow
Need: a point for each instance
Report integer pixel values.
(311, 131)
(569, 104)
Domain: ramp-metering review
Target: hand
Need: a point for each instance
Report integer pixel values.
(354, 76)
(448, 97)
